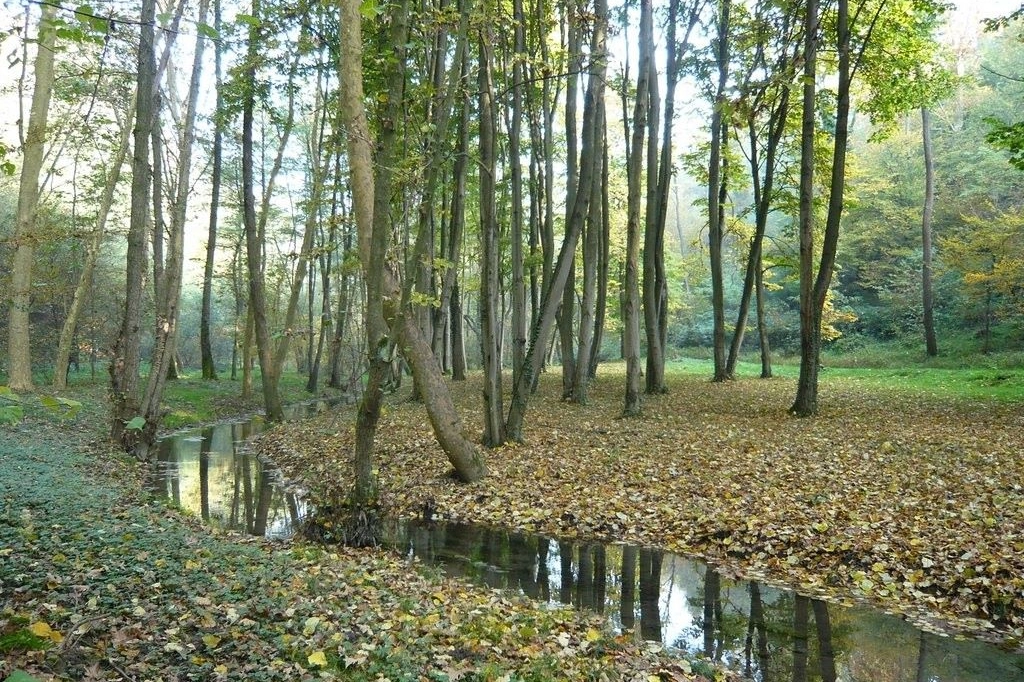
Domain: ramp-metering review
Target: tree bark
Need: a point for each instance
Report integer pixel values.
(810, 334)
(253, 242)
(541, 328)
(19, 345)
(209, 367)
(490, 276)
(927, 300)
(716, 183)
(631, 312)
(124, 367)
(167, 304)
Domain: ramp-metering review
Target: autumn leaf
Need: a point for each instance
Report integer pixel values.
(318, 658)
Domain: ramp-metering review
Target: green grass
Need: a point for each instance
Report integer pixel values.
(1001, 384)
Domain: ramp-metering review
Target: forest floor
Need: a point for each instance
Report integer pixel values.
(909, 500)
(99, 581)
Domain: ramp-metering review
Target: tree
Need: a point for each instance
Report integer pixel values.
(631, 298)
(541, 328)
(124, 367)
(716, 191)
(18, 343)
(927, 299)
(209, 367)
(490, 277)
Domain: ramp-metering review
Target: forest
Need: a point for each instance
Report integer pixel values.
(650, 272)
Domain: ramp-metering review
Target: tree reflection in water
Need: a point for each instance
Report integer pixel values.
(762, 632)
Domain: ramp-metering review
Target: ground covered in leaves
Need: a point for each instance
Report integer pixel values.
(911, 501)
(100, 582)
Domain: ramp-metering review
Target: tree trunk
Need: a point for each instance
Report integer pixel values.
(209, 367)
(19, 358)
(92, 251)
(124, 367)
(931, 344)
(490, 276)
(519, 316)
(253, 243)
(801, 639)
(806, 403)
(826, 653)
(762, 323)
(631, 310)
(541, 329)
(807, 385)
(716, 184)
(167, 304)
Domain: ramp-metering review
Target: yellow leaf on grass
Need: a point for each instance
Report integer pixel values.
(593, 635)
(211, 641)
(318, 658)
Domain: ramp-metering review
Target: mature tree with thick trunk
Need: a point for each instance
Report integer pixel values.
(25, 231)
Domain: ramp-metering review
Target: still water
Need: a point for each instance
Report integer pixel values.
(768, 634)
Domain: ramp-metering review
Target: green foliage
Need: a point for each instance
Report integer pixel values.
(1008, 137)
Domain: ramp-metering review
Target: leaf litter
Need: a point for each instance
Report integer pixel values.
(911, 502)
(100, 582)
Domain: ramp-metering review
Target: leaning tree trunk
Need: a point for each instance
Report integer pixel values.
(19, 358)
(931, 344)
(541, 329)
(92, 251)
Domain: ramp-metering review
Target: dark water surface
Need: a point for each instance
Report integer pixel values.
(769, 634)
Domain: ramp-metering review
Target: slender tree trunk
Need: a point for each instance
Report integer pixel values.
(92, 251)
(591, 256)
(209, 367)
(631, 312)
(253, 243)
(716, 183)
(19, 358)
(810, 334)
(519, 316)
(567, 312)
(490, 277)
(762, 323)
(931, 344)
(604, 261)
(167, 304)
(124, 367)
(541, 329)
(806, 403)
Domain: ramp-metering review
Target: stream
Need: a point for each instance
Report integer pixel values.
(766, 633)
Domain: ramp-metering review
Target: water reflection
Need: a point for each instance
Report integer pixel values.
(767, 634)
(207, 474)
